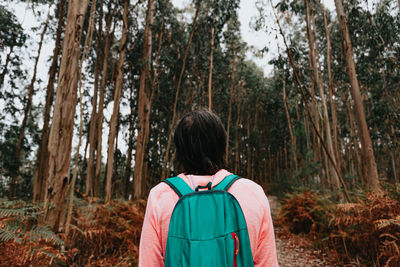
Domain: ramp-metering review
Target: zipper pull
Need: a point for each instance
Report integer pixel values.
(235, 248)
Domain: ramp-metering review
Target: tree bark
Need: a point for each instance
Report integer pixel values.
(61, 131)
(332, 100)
(292, 136)
(237, 136)
(172, 124)
(41, 171)
(100, 115)
(354, 140)
(367, 151)
(128, 167)
(117, 96)
(93, 117)
(88, 41)
(211, 65)
(230, 104)
(143, 104)
(313, 48)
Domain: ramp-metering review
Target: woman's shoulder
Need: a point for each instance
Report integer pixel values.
(250, 185)
(248, 191)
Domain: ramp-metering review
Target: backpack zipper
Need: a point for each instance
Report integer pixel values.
(235, 248)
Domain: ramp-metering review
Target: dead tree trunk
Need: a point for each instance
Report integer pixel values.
(61, 131)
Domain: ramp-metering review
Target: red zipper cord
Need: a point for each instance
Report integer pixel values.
(235, 249)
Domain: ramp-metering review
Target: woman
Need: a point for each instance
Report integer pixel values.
(200, 142)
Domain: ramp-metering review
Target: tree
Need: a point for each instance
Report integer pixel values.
(367, 151)
(117, 96)
(61, 131)
(39, 180)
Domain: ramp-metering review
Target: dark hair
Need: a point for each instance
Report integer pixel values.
(200, 142)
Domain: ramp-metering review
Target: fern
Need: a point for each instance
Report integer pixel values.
(40, 232)
(384, 223)
(10, 233)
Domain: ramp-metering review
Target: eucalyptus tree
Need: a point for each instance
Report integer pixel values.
(61, 131)
(371, 171)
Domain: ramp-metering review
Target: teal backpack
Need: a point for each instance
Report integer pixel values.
(207, 228)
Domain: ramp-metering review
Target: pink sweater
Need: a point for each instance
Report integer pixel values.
(251, 197)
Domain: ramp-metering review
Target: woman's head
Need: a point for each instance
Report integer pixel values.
(200, 141)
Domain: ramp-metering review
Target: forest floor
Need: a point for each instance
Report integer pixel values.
(294, 250)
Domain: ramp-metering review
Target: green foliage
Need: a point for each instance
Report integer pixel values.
(11, 31)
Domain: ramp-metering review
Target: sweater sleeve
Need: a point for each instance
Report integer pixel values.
(265, 254)
(150, 248)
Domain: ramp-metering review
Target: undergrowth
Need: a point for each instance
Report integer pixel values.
(23, 242)
(366, 233)
(100, 235)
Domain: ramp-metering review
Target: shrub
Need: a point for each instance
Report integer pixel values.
(105, 235)
(305, 212)
(366, 232)
(100, 235)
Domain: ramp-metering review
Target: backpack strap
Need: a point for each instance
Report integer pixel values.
(180, 187)
(227, 182)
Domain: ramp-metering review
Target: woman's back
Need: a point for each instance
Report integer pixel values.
(251, 197)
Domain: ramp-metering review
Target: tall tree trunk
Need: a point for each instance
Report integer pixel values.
(128, 167)
(354, 140)
(248, 172)
(332, 100)
(41, 171)
(117, 96)
(88, 41)
(313, 48)
(13, 187)
(230, 105)
(100, 115)
(367, 151)
(93, 117)
(178, 87)
(143, 103)
(211, 65)
(237, 136)
(292, 136)
(61, 131)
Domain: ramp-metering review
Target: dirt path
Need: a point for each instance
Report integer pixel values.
(294, 251)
